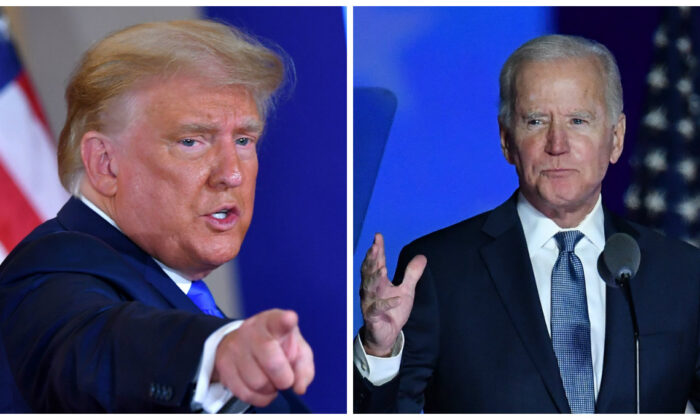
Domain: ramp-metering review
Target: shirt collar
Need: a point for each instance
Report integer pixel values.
(539, 229)
(181, 281)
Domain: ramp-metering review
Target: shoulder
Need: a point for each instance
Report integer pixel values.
(461, 236)
(656, 245)
(51, 249)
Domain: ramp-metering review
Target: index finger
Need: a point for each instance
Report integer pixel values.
(375, 259)
(279, 322)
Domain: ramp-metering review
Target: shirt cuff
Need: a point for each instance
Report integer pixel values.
(378, 370)
(211, 397)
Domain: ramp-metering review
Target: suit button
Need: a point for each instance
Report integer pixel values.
(160, 392)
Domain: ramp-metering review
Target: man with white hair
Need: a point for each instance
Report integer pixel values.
(506, 311)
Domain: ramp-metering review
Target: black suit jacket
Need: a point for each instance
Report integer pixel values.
(90, 323)
(476, 340)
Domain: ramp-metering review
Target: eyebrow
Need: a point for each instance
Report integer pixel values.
(534, 114)
(253, 125)
(582, 114)
(575, 114)
(250, 125)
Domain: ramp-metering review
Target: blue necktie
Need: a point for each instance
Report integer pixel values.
(571, 329)
(201, 296)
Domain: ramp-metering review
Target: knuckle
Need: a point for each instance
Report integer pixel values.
(267, 349)
(259, 383)
(266, 399)
(242, 393)
(273, 365)
(285, 381)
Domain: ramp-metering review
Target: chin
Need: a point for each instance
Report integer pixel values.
(221, 254)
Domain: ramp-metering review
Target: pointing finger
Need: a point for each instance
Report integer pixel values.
(280, 323)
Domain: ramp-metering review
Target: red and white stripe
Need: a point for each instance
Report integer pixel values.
(30, 191)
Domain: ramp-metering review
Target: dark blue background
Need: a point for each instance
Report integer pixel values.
(294, 255)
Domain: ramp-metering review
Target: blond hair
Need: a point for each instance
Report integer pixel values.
(114, 66)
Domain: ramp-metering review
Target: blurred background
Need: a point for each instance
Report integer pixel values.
(294, 255)
(441, 162)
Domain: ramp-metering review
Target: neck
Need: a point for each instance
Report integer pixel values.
(102, 202)
(565, 217)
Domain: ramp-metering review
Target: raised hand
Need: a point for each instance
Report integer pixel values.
(265, 354)
(385, 307)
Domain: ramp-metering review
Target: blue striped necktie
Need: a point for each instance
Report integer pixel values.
(571, 328)
(201, 296)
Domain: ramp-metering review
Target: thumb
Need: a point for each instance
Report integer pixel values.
(414, 270)
(280, 323)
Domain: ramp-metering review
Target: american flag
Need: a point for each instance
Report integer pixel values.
(30, 191)
(665, 190)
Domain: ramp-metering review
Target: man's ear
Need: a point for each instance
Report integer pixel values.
(503, 131)
(618, 138)
(98, 153)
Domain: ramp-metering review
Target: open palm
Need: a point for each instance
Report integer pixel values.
(385, 307)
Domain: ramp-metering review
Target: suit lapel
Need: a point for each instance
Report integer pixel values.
(508, 262)
(76, 216)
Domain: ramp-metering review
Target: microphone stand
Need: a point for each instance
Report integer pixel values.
(624, 283)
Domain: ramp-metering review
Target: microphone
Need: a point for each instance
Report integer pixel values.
(617, 265)
(619, 261)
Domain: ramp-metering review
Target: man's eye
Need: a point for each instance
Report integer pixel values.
(243, 141)
(578, 121)
(188, 142)
(534, 122)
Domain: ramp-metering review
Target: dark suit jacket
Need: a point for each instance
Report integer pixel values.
(476, 340)
(90, 323)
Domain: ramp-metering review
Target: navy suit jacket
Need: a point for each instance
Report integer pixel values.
(90, 323)
(477, 341)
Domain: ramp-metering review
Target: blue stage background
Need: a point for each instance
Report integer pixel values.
(442, 162)
(294, 255)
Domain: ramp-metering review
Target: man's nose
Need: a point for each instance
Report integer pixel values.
(226, 172)
(557, 139)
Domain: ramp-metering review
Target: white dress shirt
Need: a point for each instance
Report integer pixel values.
(542, 247)
(209, 397)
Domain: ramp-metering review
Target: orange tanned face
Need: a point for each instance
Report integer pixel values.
(187, 165)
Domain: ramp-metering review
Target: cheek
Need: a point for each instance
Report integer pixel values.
(596, 156)
(252, 171)
(528, 157)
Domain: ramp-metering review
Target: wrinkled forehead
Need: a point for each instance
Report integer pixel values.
(582, 75)
(155, 95)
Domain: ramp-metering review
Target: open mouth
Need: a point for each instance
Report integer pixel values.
(220, 215)
(223, 218)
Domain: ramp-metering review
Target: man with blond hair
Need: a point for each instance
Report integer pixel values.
(102, 309)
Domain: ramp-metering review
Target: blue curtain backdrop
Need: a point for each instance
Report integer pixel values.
(442, 162)
(294, 255)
